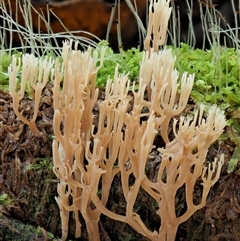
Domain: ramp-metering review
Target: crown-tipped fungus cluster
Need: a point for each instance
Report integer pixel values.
(87, 157)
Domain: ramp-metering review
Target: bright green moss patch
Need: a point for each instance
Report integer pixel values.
(217, 81)
(216, 75)
(127, 62)
(5, 200)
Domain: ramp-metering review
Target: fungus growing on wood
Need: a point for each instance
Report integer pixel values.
(35, 75)
(87, 156)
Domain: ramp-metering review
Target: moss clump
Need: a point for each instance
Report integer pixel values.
(216, 74)
(5, 200)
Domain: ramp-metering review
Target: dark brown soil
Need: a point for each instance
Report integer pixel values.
(26, 176)
(26, 164)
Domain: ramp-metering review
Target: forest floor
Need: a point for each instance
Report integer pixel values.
(27, 178)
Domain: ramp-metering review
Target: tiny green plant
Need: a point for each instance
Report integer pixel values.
(128, 62)
(213, 85)
(5, 200)
(40, 164)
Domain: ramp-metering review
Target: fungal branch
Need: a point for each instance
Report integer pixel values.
(159, 74)
(73, 106)
(159, 14)
(89, 151)
(88, 155)
(34, 77)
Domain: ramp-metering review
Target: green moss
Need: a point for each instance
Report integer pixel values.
(50, 236)
(40, 164)
(13, 230)
(5, 61)
(127, 62)
(5, 200)
(216, 75)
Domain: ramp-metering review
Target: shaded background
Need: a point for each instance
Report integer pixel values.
(93, 16)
